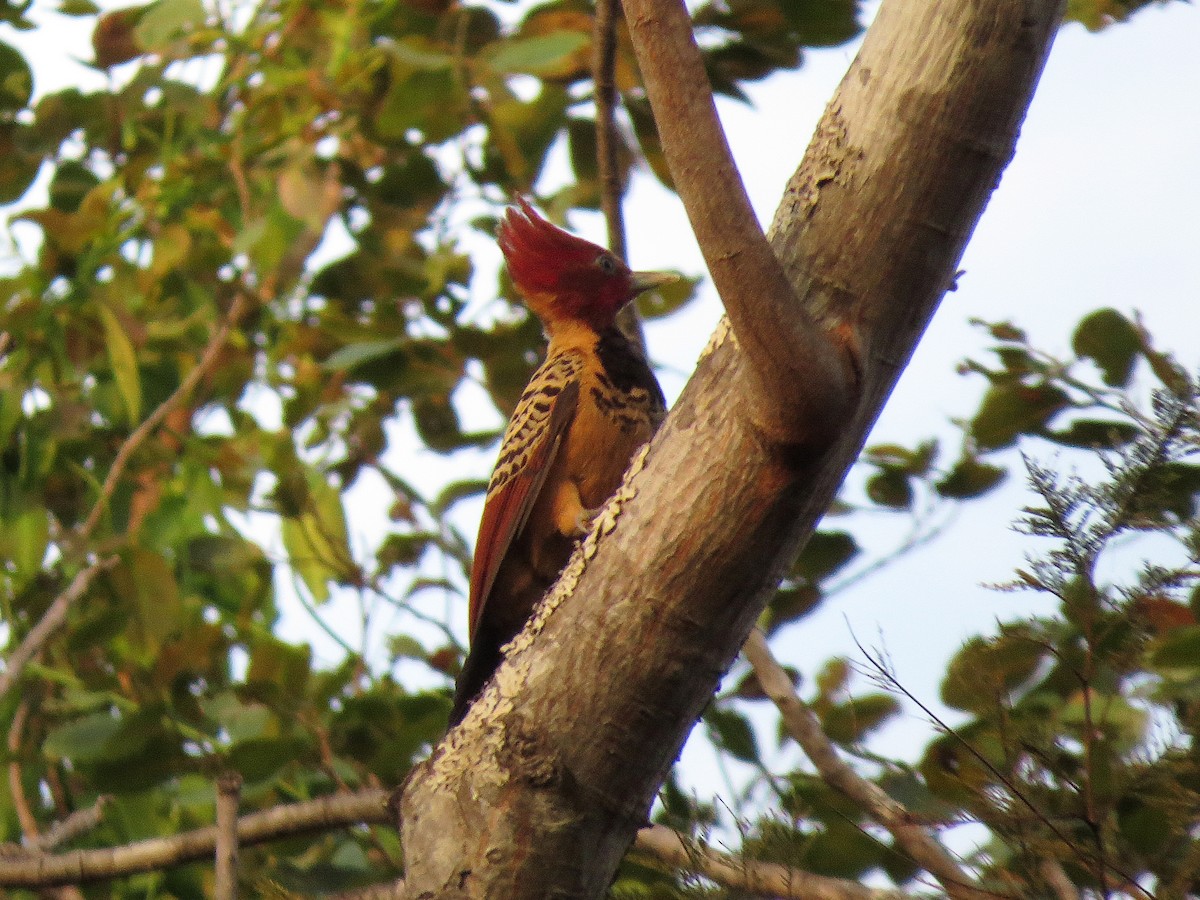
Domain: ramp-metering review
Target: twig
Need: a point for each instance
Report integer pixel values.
(803, 725)
(207, 362)
(25, 817)
(75, 825)
(55, 615)
(29, 825)
(753, 876)
(604, 89)
(889, 680)
(229, 795)
(83, 866)
(1056, 877)
(604, 43)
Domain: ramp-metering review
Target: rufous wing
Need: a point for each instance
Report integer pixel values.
(531, 443)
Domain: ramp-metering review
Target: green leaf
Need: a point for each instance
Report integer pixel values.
(82, 740)
(24, 537)
(825, 553)
(822, 23)
(353, 355)
(789, 604)
(1117, 719)
(850, 722)
(664, 300)
(240, 721)
(20, 166)
(544, 55)
(317, 542)
(970, 478)
(148, 581)
(420, 54)
(520, 133)
(163, 20)
(123, 359)
(646, 131)
(1092, 434)
(1178, 650)
(1012, 409)
(1112, 342)
(430, 101)
(259, 759)
(985, 670)
(72, 182)
(78, 8)
(731, 732)
(890, 488)
(16, 80)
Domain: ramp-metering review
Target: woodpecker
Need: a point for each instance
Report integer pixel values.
(586, 410)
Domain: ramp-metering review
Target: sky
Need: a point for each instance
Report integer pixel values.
(1099, 208)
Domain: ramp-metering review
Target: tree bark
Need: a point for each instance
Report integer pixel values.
(541, 789)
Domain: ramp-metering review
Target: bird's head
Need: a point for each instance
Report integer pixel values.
(563, 277)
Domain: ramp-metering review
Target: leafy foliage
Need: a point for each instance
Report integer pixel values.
(206, 182)
(204, 185)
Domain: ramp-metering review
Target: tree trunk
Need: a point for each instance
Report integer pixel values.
(540, 791)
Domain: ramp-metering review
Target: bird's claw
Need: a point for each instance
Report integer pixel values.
(585, 520)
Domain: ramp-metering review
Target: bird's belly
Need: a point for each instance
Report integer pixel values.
(604, 439)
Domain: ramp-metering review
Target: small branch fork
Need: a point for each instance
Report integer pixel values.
(781, 340)
(604, 43)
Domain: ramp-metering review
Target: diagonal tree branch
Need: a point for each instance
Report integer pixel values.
(50, 622)
(782, 341)
(543, 786)
(802, 724)
(753, 876)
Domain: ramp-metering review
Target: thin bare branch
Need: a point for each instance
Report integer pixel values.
(207, 363)
(604, 55)
(75, 825)
(608, 142)
(16, 788)
(777, 334)
(53, 618)
(753, 876)
(803, 725)
(1056, 877)
(887, 679)
(83, 866)
(229, 795)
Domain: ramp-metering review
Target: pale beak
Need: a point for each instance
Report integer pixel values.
(644, 281)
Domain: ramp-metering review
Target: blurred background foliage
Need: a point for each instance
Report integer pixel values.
(232, 142)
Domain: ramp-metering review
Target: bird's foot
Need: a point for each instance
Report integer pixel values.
(585, 520)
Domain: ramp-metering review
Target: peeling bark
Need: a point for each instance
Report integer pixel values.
(541, 789)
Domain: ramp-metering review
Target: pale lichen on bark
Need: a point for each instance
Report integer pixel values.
(825, 163)
(720, 333)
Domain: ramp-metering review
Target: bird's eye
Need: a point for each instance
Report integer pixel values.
(607, 264)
